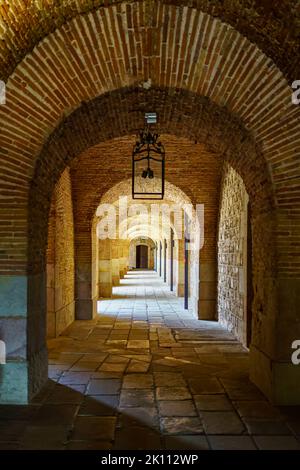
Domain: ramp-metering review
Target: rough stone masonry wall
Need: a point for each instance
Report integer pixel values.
(60, 259)
(232, 254)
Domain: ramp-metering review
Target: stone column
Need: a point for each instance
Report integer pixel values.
(179, 282)
(207, 290)
(275, 323)
(123, 257)
(105, 269)
(115, 262)
(85, 306)
(14, 374)
(51, 317)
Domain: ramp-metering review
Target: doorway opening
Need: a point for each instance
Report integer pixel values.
(142, 257)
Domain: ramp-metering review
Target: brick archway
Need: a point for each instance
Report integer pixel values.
(63, 97)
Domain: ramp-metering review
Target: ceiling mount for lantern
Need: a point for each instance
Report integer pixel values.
(148, 163)
(151, 118)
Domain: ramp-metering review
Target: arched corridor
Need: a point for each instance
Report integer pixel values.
(160, 302)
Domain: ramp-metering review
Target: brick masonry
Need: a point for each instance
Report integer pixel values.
(60, 259)
(149, 50)
(272, 26)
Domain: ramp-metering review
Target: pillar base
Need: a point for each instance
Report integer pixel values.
(207, 310)
(21, 381)
(14, 383)
(85, 309)
(279, 381)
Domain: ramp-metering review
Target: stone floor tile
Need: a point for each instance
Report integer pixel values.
(177, 408)
(134, 343)
(17, 412)
(231, 443)
(116, 342)
(45, 437)
(55, 414)
(94, 428)
(171, 379)
(137, 438)
(9, 445)
(54, 372)
(138, 416)
(66, 394)
(181, 425)
(294, 425)
(114, 359)
(222, 422)
(106, 375)
(76, 378)
(89, 445)
(136, 398)
(140, 357)
(266, 427)
(256, 409)
(12, 430)
(205, 385)
(104, 387)
(109, 367)
(89, 358)
(137, 366)
(241, 389)
(277, 442)
(85, 366)
(173, 393)
(185, 442)
(138, 381)
(99, 405)
(212, 403)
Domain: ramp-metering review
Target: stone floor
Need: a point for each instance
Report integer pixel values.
(146, 375)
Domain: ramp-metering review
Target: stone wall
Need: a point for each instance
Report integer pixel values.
(60, 259)
(232, 254)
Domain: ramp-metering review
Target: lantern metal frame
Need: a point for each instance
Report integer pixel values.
(148, 148)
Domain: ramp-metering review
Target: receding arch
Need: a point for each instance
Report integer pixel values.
(153, 227)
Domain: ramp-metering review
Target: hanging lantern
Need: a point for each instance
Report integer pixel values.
(148, 164)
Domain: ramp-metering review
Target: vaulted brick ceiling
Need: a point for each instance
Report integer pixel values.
(207, 81)
(274, 25)
(180, 48)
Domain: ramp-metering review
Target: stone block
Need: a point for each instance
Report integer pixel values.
(14, 383)
(13, 295)
(207, 290)
(207, 309)
(13, 333)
